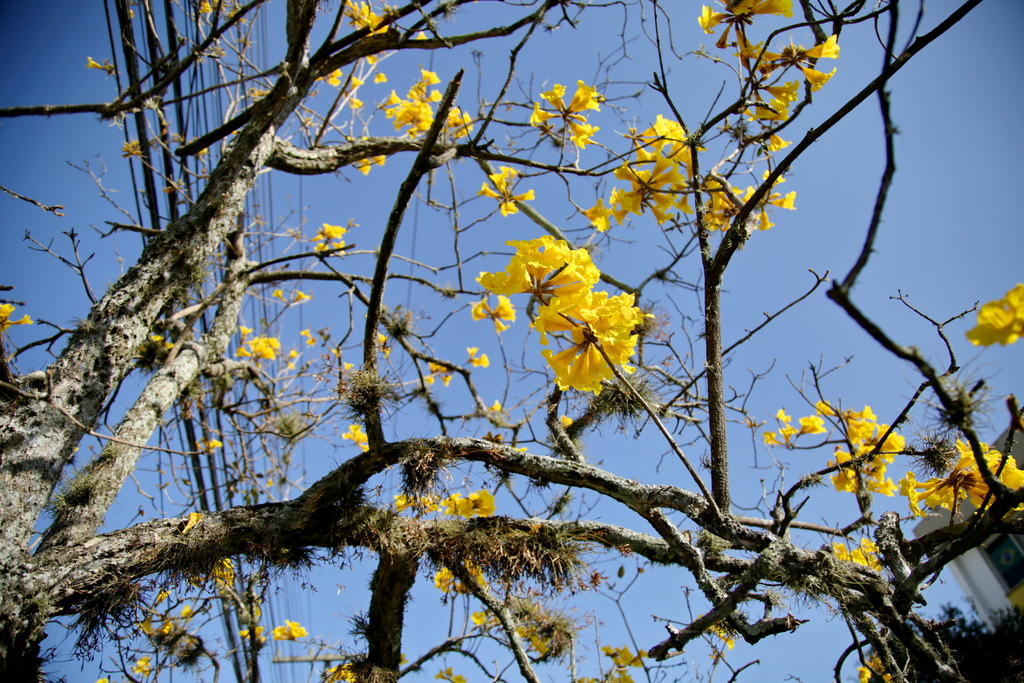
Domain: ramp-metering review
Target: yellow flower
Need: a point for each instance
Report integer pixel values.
(380, 77)
(329, 237)
(502, 190)
(5, 318)
(481, 361)
(963, 481)
(591, 319)
(278, 294)
(495, 407)
(599, 215)
(260, 348)
(866, 554)
(209, 444)
(447, 675)
(812, 425)
(739, 14)
(659, 188)
(445, 581)
(361, 16)
(482, 310)
(416, 112)
(999, 322)
(459, 123)
(300, 297)
(586, 98)
(223, 572)
(364, 165)
(132, 148)
(565, 420)
(290, 631)
(543, 267)
(479, 504)
(623, 657)
(423, 503)
(309, 337)
(257, 635)
(142, 666)
(333, 78)
(798, 56)
(339, 673)
(438, 371)
(356, 434)
(106, 66)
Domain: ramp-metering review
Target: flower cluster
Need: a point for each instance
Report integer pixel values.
(862, 433)
(290, 631)
(963, 481)
(572, 115)
(329, 236)
(866, 554)
(622, 660)
(478, 504)
(416, 111)
(601, 327)
(658, 177)
(339, 673)
(767, 70)
(260, 348)
(1000, 321)
(501, 189)
(446, 582)
(725, 203)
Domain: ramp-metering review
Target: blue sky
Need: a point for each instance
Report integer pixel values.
(951, 237)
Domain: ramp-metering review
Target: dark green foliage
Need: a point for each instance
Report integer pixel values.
(993, 654)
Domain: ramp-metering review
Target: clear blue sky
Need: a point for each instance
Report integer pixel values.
(951, 237)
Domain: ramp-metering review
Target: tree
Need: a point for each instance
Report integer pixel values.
(193, 375)
(978, 646)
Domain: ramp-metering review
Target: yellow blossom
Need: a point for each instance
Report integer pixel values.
(329, 237)
(798, 56)
(5, 318)
(866, 554)
(445, 580)
(415, 112)
(309, 337)
(481, 361)
(333, 78)
(106, 66)
(364, 165)
(447, 675)
(438, 371)
(740, 13)
(260, 348)
(482, 310)
(290, 631)
(657, 184)
(543, 267)
(593, 319)
(502, 190)
(340, 673)
(355, 434)
(1000, 321)
(380, 77)
(478, 504)
(132, 148)
(142, 666)
(963, 481)
(256, 635)
(586, 98)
